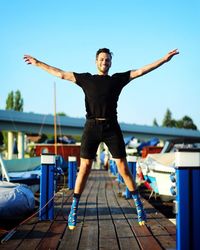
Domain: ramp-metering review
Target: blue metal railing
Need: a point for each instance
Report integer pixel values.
(188, 200)
(50, 165)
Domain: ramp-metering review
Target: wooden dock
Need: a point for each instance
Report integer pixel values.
(106, 220)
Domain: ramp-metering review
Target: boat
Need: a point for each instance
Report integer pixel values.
(158, 170)
(20, 181)
(16, 200)
(24, 171)
(136, 147)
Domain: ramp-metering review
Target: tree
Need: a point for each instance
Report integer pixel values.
(155, 123)
(61, 114)
(167, 121)
(18, 101)
(186, 122)
(14, 101)
(10, 101)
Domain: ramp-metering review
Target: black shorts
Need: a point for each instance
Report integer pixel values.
(106, 131)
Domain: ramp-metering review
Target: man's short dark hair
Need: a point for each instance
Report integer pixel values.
(104, 50)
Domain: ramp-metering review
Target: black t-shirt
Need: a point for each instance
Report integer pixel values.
(102, 93)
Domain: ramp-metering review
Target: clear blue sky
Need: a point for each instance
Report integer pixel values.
(66, 34)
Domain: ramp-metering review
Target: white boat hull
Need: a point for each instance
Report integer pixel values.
(157, 173)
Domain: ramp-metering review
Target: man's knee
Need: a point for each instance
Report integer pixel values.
(85, 166)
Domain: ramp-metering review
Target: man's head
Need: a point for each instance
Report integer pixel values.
(103, 60)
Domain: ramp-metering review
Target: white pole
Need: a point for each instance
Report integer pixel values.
(55, 122)
(20, 143)
(10, 144)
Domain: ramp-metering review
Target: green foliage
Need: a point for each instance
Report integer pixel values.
(186, 122)
(10, 101)
(155, 123)
(14, 101)
(167, 121)
(77, 138)
(18, 101)
(61, 114)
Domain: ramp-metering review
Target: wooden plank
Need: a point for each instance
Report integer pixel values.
(125, 235)
(31, 233)
(149, 243)
(20, 234)
(130, 212)
(107, 234)
(106, 220)
(70, 238)
(160, 234)
(172, 231)
(160, 227)
(166, 241)
(52, 237)
(89, 236)
(155, 233)
(143, 235)
(41, 229)
(34, 237)
(58, 226)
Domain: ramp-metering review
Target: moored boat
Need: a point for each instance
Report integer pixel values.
(16, 200)
(158, 169)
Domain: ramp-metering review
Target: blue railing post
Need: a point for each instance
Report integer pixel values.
(111, 166)
(72, 170)
(47, 187)
(115, 168)
(132, 168)
(188, 200)
(119, 178)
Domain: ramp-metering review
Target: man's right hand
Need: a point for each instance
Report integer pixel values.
(30, 60)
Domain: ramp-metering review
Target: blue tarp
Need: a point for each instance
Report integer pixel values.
(16, 200)
(153, 142)
(128, 139)
(64, 140)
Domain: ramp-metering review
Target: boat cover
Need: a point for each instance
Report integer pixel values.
(16, 200)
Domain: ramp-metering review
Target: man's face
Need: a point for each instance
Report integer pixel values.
(103, 63)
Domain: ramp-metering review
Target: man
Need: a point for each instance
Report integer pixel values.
(101, 95)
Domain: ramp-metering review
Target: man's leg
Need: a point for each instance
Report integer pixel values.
(84, 171)
(123, 169)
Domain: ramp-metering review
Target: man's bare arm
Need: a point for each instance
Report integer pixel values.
(50, 69)
(146, 69)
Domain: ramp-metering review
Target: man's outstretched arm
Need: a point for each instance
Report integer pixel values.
(146, 69)
(50, 69)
